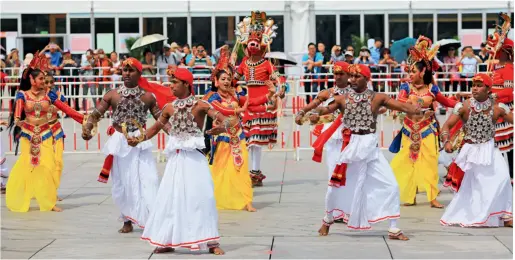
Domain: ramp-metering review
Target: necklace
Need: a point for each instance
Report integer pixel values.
(182, 103)
(126, 92)
(480, 106)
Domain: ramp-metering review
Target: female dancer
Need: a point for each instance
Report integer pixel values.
(416, 164)
(228, 157)
(33, 173)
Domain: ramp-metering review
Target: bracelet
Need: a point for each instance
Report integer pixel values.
(301, 113)
(445, 133)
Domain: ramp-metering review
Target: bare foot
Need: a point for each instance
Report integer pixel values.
(127, 227)
(59, 199)
(3, 190)
(508, 223)
(411, 204)
(401, 237)
(160, 250)
(57, 209)
(436, 204)
(324, 230)
(216, 251)
(249, 208)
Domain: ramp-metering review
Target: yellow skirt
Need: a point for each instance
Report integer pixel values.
(421, 174)
(27, 181)
(233, 187)
(58, 153)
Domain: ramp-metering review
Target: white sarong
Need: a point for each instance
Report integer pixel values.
(4, 169)
(371, 193)
(485, 194)
(184, 213)
(334, 197)
(134, 177)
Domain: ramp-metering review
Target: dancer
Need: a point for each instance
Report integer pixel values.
(334, 143)
(371, 192)
(184, 213)
(255, 34)
(417, 146)
(228, 154)
(33, 173)
(485, 195)
(134, 172)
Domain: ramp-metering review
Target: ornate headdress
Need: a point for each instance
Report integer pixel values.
(38, 62)
(223, 64)
(256, 27)
(423, 51)
(498, 41)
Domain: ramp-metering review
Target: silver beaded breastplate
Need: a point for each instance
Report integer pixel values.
(358, 114)
(130, 107)
(335, 91)
(183, 121)
(480, 126)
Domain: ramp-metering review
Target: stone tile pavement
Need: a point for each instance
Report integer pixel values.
(290, 207)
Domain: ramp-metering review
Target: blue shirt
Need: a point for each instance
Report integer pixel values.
(375, 54)
(55, 58)
(318, 57)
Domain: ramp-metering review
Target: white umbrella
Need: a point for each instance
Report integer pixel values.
(282, 57)
(149, 39)
(446, 43)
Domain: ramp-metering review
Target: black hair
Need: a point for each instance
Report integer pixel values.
(309, 45)
(483, 44)
(428, 75)
(467, 47)
(386, 50)
(25, 85)
(217, 76)
(146, 51)
(200, 44)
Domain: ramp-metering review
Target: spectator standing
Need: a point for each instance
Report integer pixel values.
(68, 69)
(164, 60)
(55, 54)
(116, 73)
(201, 68)
(375, 51)
(451, 69)
(326, 61)
(364, 57)
(88, 77)
(469, 62)
(312, 62)
(483, 55)
(105, 66)
(149, 63)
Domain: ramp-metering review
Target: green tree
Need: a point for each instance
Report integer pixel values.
(137, 53)
(357, 43)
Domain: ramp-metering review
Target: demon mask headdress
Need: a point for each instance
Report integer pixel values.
(423, 52)
(256, 33)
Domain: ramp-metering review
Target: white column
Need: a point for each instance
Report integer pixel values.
(386, 31)
(459, 23)
(213, 33)
(483, 25)
(435, 27)
(165, 28)
(338, 42)
(116, 32)
(189, 24)
(287, 26)
(19, 39)
(410, 25)
(312, 22)
(140, 25)
(67, 38)
(362, 26)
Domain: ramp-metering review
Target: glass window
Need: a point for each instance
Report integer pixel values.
(447, 26)
(128, 25)
(374, 26)
(43, 23)
(491, 21)
(512, 20)
(104, 25)
(80, 25)
(33, 44)
(326, 30)
(177, 28)
(471, 21)
(201, 32)
(278, 43)
(8, 25)
(423, 25)
(398, 26)
(152, 26)
(225, 30)
(349, 26)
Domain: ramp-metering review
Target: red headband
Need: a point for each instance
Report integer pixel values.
(182, 74)
(341, 66)
(134, 63)
(487, 80)
(361, 69)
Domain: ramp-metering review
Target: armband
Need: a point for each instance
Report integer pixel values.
(505, 108)
(456, 109)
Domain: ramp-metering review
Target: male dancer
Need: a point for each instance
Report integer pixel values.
(334, 143)
(135, 180)
(371, 191)
(184, 212)
(484, 197)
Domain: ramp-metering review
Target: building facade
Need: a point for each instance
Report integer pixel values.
(79, 25)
